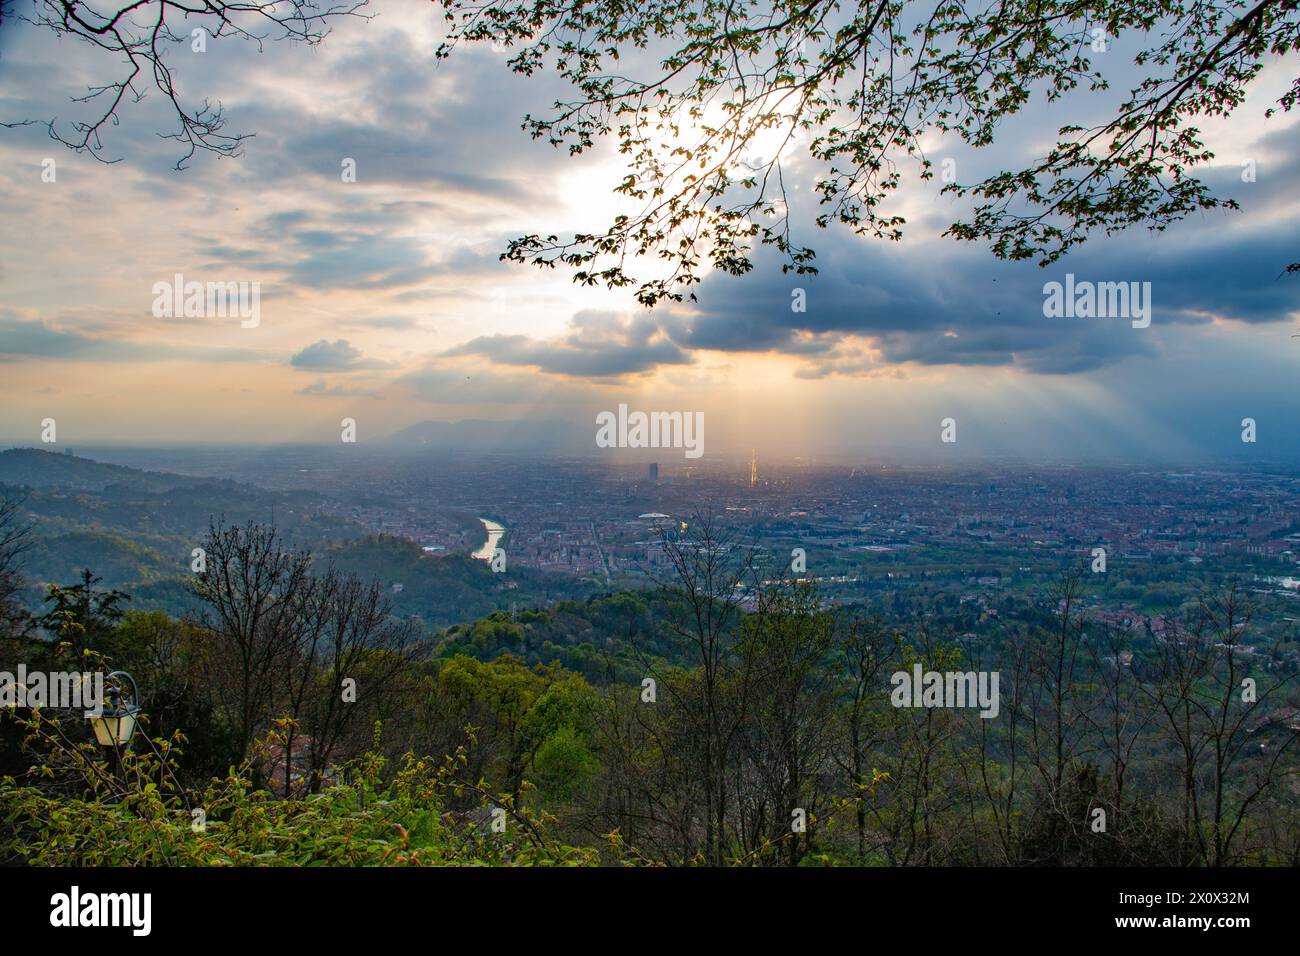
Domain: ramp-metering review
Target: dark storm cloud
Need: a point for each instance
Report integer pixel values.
(1091, 345)
(412, 157)
(1238, 277)
(1274, 167)
(956, 305)
(599, 345)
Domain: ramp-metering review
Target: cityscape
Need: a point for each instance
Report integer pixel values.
(980, 532)
(789, 435)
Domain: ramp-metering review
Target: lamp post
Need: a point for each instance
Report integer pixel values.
(115, 725)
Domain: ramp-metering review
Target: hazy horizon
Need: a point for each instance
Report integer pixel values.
(669, 461)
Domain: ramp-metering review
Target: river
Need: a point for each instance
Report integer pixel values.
(495, 532)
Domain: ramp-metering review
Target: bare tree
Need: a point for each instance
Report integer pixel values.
(914, 810)
(15, 541)
(255, 589)
(138, 36)
(1227, 767)
(1119, 720)
(360, 642)
(1000, 751)
(787, 759)
(710, 116)
(866, 646)
(1055, 713)
(709, 573)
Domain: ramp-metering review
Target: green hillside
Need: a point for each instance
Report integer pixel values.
(137, 530)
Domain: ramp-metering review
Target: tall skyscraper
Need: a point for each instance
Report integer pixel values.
(654, 471)
(753, 467)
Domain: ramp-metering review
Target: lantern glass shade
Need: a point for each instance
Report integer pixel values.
(115, 729)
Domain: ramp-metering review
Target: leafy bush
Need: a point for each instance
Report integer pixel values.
(76, 811)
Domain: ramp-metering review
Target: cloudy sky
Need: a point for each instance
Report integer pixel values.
(383, 299)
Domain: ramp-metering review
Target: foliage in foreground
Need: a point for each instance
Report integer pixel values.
(423, 814)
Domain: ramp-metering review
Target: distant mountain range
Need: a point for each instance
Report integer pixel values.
(539, 436)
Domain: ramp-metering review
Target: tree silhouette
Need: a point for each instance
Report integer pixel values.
(139, 35)
(709, 100)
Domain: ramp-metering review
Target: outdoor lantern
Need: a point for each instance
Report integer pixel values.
(116, 725)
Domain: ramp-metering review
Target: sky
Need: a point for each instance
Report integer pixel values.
(383, 300)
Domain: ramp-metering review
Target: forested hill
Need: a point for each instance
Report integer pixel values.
(36, 468)
(607, 638)
(449, 589)
(137, 530)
